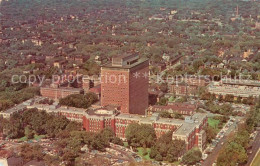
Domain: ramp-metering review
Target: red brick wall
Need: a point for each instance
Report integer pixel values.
(56, 93)
(139, 89)
(115, 92)
(128, 92)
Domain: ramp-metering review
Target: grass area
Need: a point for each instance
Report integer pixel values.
(177, 162)
(36, 137)
(213, 123)
(256, 160)
(140, 153)
(125, 144)
(23, 139)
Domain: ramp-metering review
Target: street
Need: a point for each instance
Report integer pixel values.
(255, 148)
(214, 154)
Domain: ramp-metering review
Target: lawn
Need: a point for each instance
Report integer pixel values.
(36, 137)
(140, 153)
(125, 144)
(256, 161)
(213, 123)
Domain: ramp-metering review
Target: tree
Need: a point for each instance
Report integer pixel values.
(140, 135)
(69, 157)
(110, 136)
(31, 152)
(99, 143)
(165, 114)
(232, 154)
(169, 149)
(229, 98)
(158, 157)
(163, 101)
(28, 133)
(192, 156)
(79, 100)
(210, 133)
(164, 87)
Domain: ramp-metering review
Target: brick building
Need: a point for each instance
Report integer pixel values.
(188, 85)
(190, 130)
(183, 89)
(173, 107)
(124, 83)
(237, 88)
(97, 118)
(57, 93)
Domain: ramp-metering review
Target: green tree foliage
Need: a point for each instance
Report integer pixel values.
(192, 156)
(253, 119)
(211, 133)
(28, 133)
(165, 114)
(235, 151)
(167, 149)
(140, 135)
(12, 97)
(33, 121)
(69, 142)
(90, 68)
(99, 142)
(224, 109)
(163, 101)
(79, 100)
(31, 152)
(110, 136)
(232, 154)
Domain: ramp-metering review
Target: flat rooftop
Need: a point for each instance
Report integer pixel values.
(188, 127)
(185, 127)
(52, 108)
(64, 89)
(103, 111)
(241, 82)
(19, 107)
(129, 66)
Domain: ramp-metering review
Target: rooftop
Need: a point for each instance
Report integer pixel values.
(188, 126)
(241, 82)
(103, 111)
(185, 126)
(64, 89)
(127, 65)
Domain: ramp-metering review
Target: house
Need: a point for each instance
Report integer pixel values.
(60, 64)
(221, 65)
(157, 17)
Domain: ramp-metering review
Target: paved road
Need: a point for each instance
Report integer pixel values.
(214, 154)
(255, 148)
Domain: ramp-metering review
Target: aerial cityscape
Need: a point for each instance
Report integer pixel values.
(129, 82)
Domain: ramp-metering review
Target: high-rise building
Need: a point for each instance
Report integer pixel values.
(124, 83)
